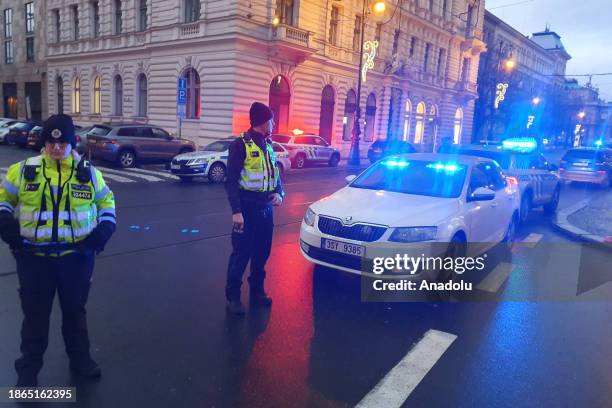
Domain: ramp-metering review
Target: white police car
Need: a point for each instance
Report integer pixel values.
(421, 203)
(211, 161)
(306, 148)
(538, 181)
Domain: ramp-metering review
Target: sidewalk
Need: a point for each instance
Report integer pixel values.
(589, 220)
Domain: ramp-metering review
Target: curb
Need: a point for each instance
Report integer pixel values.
(561, 223)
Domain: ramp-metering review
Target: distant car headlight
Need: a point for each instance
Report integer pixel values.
(196, 162)
(309, 217)
(414, 234)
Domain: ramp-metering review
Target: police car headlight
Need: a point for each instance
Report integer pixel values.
(196, 162)
(309, 217)
(414, 234)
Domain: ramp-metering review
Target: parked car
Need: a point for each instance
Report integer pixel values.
(5, 127)
(211, 161)
(304, 149)
(35, 138)
(81, 139)
(414, 204)
(127, 144)
(590, 165)
(538, 182)
(384, 148)
(19, 132)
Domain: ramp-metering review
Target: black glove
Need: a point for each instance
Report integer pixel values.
(9, 231)
(98, 238)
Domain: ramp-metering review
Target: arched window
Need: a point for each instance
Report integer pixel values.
(370, 118)
(407, 120)
(326, 116)
(193, 93)
(458, 126)
(142, 95)
(348, 121)
(59, 85)
(97, 96)
(76, 96)
(419, 127)
(280, 96)
(118, 85)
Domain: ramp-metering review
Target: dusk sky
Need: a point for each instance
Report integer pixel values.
(585, 28)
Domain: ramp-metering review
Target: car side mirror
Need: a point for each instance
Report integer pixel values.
(481, 194)
(350, 178)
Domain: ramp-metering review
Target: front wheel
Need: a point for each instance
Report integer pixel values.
(551, 207)
(127, 159)
(334, 160)
(300, 161)
(525, 207)
(216, 173)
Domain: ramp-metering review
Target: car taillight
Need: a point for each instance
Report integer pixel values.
(112, 141)
(512, 180)
(78, 139)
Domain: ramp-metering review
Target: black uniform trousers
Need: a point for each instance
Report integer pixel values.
(254, 244)
(39, 278)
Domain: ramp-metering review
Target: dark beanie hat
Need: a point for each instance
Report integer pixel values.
(59, 128)
(260, 114)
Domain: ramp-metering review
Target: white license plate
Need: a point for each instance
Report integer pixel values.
(175, 166)
(342, 247)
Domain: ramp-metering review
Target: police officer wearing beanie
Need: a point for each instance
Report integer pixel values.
(56, 212)
(253, 186)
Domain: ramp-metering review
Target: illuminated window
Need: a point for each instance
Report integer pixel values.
(458, 126)
(118, 84)
(97, 96)
(76, 96)
(407, 119)
(419, 127)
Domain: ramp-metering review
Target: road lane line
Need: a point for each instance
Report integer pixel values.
(114, 177)
(532, 240)
(162, 174)
(138, 176)
(398, 384)
(496, 278)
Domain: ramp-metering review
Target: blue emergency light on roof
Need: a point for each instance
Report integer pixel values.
(520, 144)
(598, 143)
(396, 163)
(448, 167)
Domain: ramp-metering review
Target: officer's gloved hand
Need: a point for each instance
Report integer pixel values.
(99, 236)
(9, 231)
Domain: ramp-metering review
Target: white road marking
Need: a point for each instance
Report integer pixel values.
(496, 278)
(532, 240)
(398, 384)
(114, 177)
(162, 174)
(124, 173)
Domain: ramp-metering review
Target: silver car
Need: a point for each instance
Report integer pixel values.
(304, 149)
(127, 144)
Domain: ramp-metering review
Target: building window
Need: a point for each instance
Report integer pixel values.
(407, 120)
(444, 7)
(193, 93)
(426, 57)
(97, 99)
(29, 15)
(76, 96)
(56, 24)
(142, 95)
(431, 5)
(8, 23)
(419, 127)
(95, 13)
(333, 25)
(8, 52)
(357, 34)
(59, 85)
(440, 66)
(143, 15)
(378, 34)
(284, 11)
(413, 42)
(458, 126)
(433, 125)
(30, 49)
(370, 118)
(348, 121)
(118, 17)
(396, 35)
(279, 100)
(75, 22)
(465, 70)
(118, 85)
(192, 10)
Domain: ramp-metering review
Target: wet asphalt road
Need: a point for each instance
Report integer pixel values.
(161, 335)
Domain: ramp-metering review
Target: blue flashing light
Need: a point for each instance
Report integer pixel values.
(448, 167)
(520, 144)
(396, 163)
(598, 143)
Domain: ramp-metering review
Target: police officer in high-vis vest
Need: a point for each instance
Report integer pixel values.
(253, 187)
(56, 212)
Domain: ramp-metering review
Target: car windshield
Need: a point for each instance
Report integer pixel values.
(502, 158)
(99, 131)
(582, 154)
(281, 138)
(418, 177)
(217, 146)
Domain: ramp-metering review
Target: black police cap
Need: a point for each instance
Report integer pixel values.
(59, 128)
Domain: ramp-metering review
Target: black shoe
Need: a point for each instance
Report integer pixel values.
(86, 368)
(260, 299)
(235, 307)
(27, 380)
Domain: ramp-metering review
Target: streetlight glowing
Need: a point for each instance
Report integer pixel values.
(581, 115)
(536, 100)
(275, 21)
(380, 7)
(510, 64)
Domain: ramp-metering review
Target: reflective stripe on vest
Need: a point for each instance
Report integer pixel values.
(258, 173)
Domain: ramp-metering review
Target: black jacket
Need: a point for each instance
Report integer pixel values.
(239, 198)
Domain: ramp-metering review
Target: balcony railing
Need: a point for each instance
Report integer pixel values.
(291, 34)
(190, 29)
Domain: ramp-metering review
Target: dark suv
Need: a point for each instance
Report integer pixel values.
(125, 144)
(590, 165)
(384, 148)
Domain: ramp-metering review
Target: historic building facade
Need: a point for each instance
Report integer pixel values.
(520, 83)
(23, 74)
(118, 60)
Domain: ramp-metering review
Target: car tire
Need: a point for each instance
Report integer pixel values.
(126, 159)
(457, 248)
(334, 160)
(186, 179)
(510, 236)
(216, 173)
(551, 207)
(300, 161)
(526, 205)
